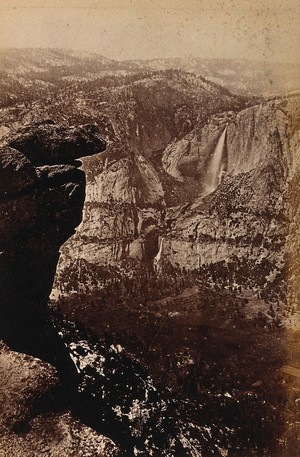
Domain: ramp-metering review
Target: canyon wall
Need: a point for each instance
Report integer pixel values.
(133, 202)
(246, 215)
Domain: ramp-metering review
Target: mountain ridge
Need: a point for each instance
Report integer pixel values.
(241, 76)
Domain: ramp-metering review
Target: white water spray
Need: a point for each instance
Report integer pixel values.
(157, 262)
(215, 167)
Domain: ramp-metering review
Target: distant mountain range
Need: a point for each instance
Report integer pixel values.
(240, 76)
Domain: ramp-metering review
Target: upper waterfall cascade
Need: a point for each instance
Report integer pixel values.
(215, 168)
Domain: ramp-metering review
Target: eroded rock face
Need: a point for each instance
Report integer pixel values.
(41, 201)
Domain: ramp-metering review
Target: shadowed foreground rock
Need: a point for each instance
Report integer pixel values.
(42, 193)
(28, 424)
(40, 207)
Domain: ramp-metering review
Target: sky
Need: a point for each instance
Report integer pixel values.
(265, 30)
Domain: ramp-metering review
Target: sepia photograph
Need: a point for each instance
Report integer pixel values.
(150, 228)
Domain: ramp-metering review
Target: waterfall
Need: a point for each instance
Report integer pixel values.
(157, 262)
(215, 167)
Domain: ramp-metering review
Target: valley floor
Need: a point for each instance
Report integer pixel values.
(230, 358)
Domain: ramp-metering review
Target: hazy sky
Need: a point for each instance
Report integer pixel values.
(129, 29)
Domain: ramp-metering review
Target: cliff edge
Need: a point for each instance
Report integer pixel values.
(42, 192)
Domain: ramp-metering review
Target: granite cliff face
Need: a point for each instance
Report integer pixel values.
(126, 188)
(42, 195)
(41, 205)
(137, 205)
(245, 215)
(246, 221)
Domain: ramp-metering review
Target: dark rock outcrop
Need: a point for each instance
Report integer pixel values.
(40, 208)
(48, 143)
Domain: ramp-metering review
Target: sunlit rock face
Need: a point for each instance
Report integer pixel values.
(255, 138)
(245, 214)
(41, 201)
